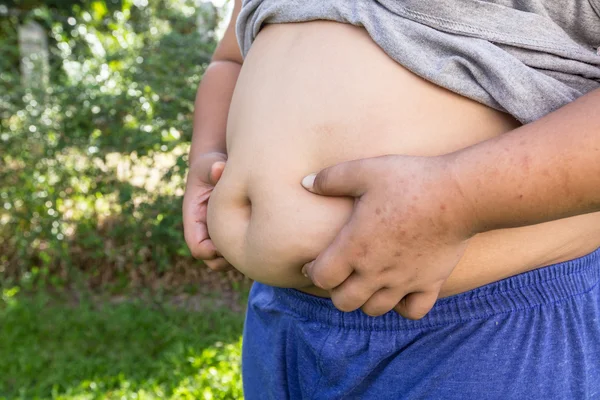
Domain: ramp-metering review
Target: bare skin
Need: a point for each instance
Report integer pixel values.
(279, 130)
(416, 215)
(208, 145)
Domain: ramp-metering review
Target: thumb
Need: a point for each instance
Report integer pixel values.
(416, 305)
(344, 179)
(216, 170)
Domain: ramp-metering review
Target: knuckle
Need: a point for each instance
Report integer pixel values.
(321, 280)
(380, 304)
(417, 309)
(345, 304)
(415, 315)
(214, 265)
(373, 310)
(198, 254)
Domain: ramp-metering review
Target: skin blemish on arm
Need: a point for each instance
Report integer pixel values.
(364, 250)
(525, 163)
(546, 172)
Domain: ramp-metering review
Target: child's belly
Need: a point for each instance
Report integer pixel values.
(314, 94)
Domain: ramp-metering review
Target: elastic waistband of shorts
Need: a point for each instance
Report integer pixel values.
(551, 284)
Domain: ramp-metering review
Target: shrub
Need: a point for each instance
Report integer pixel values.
(92, 166)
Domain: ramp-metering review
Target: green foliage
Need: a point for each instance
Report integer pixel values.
(59, 349)
(92, 166)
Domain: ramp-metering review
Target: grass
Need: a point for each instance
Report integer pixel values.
(59, 349)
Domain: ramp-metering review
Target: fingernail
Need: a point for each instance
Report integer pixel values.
(309, 181)
(304, 269)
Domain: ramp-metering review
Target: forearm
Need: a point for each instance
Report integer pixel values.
(212, 107)
(546, 170)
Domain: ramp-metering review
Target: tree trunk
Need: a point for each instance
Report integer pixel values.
(33, 46)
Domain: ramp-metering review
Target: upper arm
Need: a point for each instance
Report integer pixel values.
(228, 48)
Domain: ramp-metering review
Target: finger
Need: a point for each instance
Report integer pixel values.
(345, 179)
(201, 168)
(380, 302)
(195, 230)
(197, 240)
(216, 171)
(218, 264)
(416, 305)
(331, 267)
(353, 293)
(204, 250)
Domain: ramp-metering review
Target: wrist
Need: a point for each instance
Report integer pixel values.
(201, 166)
(197, 153)
(465, 204)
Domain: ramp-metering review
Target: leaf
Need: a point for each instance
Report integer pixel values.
(99, 10)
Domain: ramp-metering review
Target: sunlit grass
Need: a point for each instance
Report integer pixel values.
(61, 349)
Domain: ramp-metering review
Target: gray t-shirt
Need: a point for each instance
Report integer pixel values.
(524, 57)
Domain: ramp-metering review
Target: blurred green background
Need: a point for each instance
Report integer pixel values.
(100, 298)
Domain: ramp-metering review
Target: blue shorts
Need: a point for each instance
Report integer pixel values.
(531, 336)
